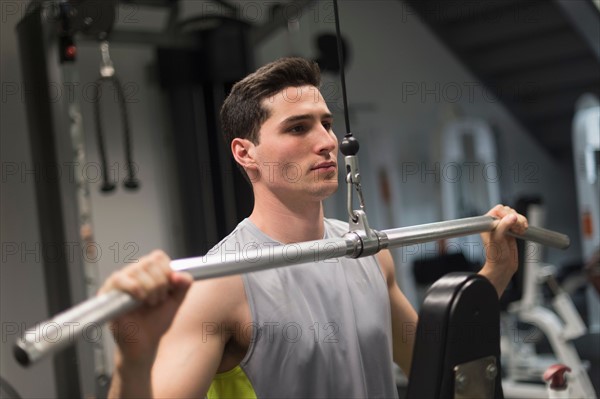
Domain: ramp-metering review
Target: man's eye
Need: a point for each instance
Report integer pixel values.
(327, 125)
(297, 129)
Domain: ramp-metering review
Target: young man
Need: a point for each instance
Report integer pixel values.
(325, 329)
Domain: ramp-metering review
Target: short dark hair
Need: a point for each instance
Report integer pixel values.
(242, 113)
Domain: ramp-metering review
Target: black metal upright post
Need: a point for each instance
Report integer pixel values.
(51, 151)
(214, 195)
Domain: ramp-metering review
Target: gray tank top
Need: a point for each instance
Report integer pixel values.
(320, 330)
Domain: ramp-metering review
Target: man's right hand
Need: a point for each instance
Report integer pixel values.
(162, 291)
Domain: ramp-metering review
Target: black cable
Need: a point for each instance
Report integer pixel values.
(107, 185)
(341, 61)
(130, 182)
(349, 145)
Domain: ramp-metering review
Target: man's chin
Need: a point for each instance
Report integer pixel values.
(327, 188)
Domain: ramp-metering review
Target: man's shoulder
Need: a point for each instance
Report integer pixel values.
(245, 233)
(222, 299)
(236, 234)
(222, 296)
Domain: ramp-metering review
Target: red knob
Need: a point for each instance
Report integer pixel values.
(555, 374)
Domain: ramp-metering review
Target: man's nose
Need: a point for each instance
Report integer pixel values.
(327, 141)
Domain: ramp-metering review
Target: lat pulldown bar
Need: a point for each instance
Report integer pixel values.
(61, 331)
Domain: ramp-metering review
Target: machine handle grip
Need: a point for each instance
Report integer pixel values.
(410, 235)
(544, 237)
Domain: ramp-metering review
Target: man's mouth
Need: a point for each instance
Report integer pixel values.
(325, 166)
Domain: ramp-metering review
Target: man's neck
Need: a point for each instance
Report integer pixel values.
(288, 222)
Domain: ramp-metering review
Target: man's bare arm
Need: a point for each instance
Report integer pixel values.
(190, 353)
(161, 348)
(404, 317)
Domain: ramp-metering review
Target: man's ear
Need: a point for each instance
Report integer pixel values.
(243, 153)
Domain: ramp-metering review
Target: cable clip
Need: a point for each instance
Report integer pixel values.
(353, 181)
(349, 147)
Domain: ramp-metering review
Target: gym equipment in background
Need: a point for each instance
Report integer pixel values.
(523, 366)
(470, 183)
(586, 154)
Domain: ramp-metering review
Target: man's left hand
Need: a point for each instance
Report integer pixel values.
(500, 248)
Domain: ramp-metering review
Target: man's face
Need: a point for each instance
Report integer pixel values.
(297, 150)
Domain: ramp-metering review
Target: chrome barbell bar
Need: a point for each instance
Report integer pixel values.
(65, 328)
